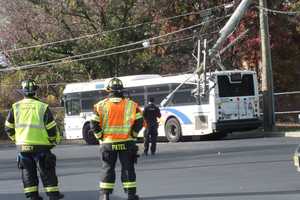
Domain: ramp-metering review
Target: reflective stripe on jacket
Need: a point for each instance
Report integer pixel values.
(116, 117)
(29, 122)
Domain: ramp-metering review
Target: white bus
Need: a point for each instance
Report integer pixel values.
(228, 102)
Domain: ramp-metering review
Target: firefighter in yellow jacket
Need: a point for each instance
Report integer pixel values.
(31, 126)
(116, 123)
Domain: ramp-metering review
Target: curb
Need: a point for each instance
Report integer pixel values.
(292, 134)
(261, 134)
(283, 134)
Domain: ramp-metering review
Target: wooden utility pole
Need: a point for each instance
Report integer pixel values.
(267, 75)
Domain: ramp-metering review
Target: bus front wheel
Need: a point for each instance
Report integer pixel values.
(173, 130)
(88, 135)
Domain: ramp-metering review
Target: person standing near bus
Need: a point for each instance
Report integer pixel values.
(31, 126)
(116, 123)
(151, 114)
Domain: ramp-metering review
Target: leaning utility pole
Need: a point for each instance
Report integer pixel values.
(267, 75)
(230, 26)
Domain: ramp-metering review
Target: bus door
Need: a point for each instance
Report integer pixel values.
(236, 99)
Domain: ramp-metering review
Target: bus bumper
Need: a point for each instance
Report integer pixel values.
(237, 125)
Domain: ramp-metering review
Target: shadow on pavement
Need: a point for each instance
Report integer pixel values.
(93, 195)
(212, 165)
(187, 155)
(216, 195)
(76, 195)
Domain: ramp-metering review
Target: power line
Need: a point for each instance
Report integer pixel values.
(40, 84)
(110, 31)
(47, 63)
(98, 56)
(102, 55)
(65, 83)
(279, 11)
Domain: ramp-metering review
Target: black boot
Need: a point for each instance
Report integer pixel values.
(57, 197)
(145, 153)
(133, 197)
(36, 198)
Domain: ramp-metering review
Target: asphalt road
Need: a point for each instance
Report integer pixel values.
(235, 169)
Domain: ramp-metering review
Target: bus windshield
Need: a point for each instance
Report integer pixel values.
(242, 87)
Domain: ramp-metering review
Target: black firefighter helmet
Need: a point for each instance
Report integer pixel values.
(115, 85)
(29, 87)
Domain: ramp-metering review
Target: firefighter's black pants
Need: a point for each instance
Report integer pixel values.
(126, 151)
(44, 162)
(150, 134)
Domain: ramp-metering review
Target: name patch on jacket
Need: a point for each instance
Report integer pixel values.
(118, 147)
(25, 148)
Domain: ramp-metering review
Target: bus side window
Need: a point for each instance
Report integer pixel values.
(136, 94)
(157, 97)
(136, 90)
(184, 98)
(184, 95)
(138, 99)
(158, 88)
(158, 92)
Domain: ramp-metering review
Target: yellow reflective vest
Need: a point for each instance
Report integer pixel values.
(29, 122)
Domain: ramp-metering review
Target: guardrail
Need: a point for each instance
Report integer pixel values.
(287, 106)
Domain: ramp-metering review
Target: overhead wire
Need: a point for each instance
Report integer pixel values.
(110, 31)
(98, 56)
(63, 60)
(102, 55)
(279, 11)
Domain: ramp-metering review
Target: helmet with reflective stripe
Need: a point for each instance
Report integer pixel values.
(29, 87)
(115, 85)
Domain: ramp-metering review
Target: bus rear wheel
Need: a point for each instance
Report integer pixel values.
(173, 130)
(88, 135)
